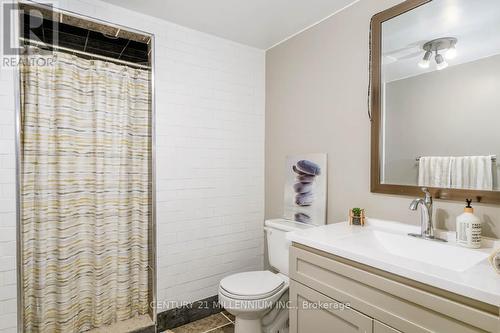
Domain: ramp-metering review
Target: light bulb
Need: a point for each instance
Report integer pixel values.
(451, 53)
(441, 63)
(425, 62)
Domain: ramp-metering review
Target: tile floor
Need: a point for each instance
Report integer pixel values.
(218, 323)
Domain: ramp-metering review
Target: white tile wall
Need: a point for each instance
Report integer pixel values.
(210, 159)
(8, 286)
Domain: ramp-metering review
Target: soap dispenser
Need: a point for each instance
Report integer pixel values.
(469, 228)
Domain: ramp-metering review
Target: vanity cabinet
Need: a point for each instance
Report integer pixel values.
(378, 301)
(315, 312)
(378, 327)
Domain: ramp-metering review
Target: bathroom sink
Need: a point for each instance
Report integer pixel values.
(385, 245)
(444, 255)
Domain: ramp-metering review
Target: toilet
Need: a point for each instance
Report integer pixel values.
(257, 298)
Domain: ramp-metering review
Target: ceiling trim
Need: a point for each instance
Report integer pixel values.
(312, 25)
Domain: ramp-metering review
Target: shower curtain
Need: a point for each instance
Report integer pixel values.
(85, 191)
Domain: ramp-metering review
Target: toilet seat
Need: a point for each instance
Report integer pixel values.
(254, 285)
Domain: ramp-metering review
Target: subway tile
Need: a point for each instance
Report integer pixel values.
(8, 306)
(8, 321)
(8, 292)
(9, 277)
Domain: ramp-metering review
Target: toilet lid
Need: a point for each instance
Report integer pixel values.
(259, 283)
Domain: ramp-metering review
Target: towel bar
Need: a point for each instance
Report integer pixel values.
(493, 158)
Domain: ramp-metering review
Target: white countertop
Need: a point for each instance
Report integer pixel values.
(361, 244)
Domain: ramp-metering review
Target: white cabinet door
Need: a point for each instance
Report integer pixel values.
(312, 311)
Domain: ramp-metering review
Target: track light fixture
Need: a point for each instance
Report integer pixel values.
(425, 62)
(446, 45)
(441, 63)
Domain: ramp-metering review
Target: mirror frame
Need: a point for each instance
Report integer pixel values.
(375, 109)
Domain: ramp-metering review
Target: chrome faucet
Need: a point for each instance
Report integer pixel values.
(426, 225)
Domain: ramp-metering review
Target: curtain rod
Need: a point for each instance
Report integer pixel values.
(62, 48)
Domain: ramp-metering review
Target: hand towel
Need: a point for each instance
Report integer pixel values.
(434, 171)
(472, 172)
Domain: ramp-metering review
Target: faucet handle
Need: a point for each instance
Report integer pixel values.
(428, 196)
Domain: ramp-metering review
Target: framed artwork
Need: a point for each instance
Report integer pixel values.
(305, 188)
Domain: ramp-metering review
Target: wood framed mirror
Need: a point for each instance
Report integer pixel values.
(434, 102)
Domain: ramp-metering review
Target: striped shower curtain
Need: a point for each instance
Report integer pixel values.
(85, 191)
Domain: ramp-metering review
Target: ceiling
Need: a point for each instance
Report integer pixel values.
(258, 23)
(476, 25)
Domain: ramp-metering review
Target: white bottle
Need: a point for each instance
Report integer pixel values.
(469, 228)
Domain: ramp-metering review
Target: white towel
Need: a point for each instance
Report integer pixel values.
(434, 171)
(472, 172)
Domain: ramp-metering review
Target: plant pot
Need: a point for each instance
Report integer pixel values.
(357, 219)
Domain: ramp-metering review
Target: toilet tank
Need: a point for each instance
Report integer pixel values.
(277, 244)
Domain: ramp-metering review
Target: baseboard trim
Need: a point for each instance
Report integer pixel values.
(173, 318)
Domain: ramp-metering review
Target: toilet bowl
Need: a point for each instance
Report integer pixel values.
(250, 296)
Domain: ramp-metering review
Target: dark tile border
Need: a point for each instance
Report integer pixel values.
(149, 329)
(186, 314)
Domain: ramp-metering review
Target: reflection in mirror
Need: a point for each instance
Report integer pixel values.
(440, 96)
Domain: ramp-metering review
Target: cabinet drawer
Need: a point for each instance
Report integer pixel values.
(312, 311)
(399, 305)
(378, 327)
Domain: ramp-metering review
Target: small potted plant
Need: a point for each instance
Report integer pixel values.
(357, 216)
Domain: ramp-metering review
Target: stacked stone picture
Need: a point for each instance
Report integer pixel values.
(305, 189)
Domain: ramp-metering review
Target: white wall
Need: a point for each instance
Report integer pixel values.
(452, 112)
(316, 101)
(210, 159)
